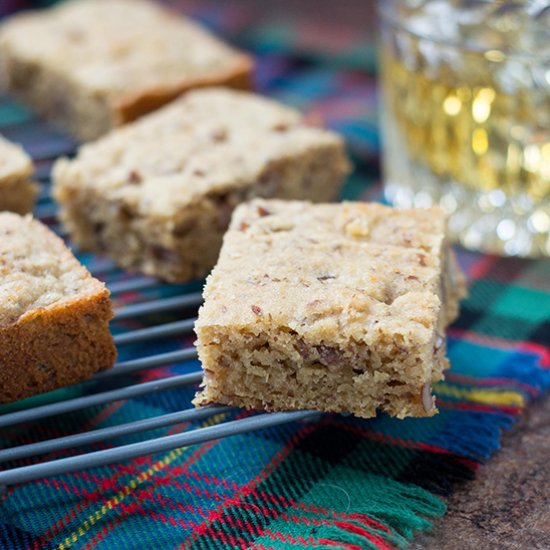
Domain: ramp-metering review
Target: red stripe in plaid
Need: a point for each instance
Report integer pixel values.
(116, 521)
(248, 489)
(537, 349)
(355, 529)
(102, 533)
(98, 495)
(302, 520)
(135, 507)
(56, 527)
(335, 517)
(258, 531)
(512, 411)
(148, 461)
(218, 514)
(279, 500)
(480, 268)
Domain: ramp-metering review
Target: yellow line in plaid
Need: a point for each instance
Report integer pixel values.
(488, 397)
(127, 490)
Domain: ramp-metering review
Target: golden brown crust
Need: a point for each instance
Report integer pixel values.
(131, 107)
(54, 316)
(53, 347)
(19, 196)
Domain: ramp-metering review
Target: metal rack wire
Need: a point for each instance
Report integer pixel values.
(186, 302)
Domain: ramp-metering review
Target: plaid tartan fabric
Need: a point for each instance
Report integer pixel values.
(338, 482)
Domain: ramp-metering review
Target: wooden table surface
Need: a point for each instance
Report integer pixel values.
(508, 505)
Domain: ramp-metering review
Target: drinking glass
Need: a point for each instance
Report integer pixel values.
(466, 117)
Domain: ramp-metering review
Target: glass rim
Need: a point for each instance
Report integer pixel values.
(388, 17)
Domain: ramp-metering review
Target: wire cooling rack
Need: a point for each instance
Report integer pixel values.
(116, 384)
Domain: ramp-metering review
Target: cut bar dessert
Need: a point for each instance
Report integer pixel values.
(157, 194)
(17, 190)
(89, 65)
(54, 316)
(339, 307)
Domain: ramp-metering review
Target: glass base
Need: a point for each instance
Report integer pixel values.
(487, 221)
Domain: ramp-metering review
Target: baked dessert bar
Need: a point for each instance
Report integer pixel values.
(157, 194)
(54, 316)
(17, 190)
(89, 65)
(338, 307)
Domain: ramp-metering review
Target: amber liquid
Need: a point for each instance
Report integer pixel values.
(472, 137)
(476, 134)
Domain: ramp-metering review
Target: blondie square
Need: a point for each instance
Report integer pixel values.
(157, 195)
(339, 307)
(89, 65)
(54, 316)
(17, 190)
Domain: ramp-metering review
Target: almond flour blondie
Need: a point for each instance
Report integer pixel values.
(89, 65)
(17, 190)
(157, 194)
(338, 307)
(54, 316)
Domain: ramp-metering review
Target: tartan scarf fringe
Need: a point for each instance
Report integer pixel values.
(388, 516)
(474, 435)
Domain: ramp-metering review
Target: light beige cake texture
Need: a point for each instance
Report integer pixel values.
(54, 316)
(17, 190)
(89, 65)
(339, 307)
(157, 195)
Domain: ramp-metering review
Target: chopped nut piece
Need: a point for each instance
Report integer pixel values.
(364, 342)
(189, 183)
(427, 398)
(281, 127)
(134, 176)
(219, 135)
(329, 356)
(263, 211)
